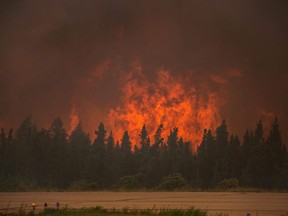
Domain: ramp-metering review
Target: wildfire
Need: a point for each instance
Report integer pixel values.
(163, 101)
(74, 119)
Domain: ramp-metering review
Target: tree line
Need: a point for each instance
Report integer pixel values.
(34, 158)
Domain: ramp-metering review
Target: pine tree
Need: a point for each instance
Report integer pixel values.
(8, 152)
(110, 143)
(221, 166)
(234, 157)
(155, 165)
(206, 161)
(126, 145)
(276, 152)
(25, 164)
(257, 157)
(144, 141)
(158, 140)
(79, 147)
(127, 165)
(58, 158)
(43, 158)
(99, 142)
(3, 152)
(185, 159)
(172, 145)
(99, 157)
(112, 163)
(143, 155)
(246, 155)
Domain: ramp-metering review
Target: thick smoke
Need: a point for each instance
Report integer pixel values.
(56, 55)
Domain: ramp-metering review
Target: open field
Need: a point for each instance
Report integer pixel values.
(227, 202)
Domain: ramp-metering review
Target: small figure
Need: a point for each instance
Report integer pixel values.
(33, 206)
(57, 205)
(45, 205)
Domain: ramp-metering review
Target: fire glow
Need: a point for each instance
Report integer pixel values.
(163, 101)
(74, 119)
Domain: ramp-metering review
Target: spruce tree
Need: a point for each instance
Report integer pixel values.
(173, 155)
(155, 165)
(79, 147)
(275, 151)
(112, 164)
(58, 158)
(206, 161)
(221, 166)
(127, 163)
(234, 157)
(99, 156)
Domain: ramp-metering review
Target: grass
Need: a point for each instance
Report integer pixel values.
(99, 211)
(186, 189)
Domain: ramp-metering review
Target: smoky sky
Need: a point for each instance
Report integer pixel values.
(54, 52)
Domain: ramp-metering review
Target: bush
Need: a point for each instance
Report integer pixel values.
(83, 185)
(17, 184)
(79, 185)
(228, 184)
(128, 182)
(181, 212)
(173, 182)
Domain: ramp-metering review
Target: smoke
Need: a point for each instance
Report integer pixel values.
(58, 54)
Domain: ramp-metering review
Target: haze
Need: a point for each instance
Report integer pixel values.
(56, 56)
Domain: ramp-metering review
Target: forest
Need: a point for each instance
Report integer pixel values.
(50, 159)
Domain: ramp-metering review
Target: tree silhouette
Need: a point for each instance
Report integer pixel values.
(275, 152)
(127, 165)
(221, 162)
(48, 158)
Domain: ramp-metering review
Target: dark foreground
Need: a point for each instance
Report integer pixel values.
(98, 211)
(235, 204)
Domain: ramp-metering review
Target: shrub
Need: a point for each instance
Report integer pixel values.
(128, 182)
(83, 185)
(173, 182)
(79, 185)
(228, 183)
(17, 184)
(181, 212)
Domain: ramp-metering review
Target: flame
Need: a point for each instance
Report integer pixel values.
(74, 119)
(267, 117)
(165, 101)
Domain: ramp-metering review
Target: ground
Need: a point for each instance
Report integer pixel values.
(234, 203)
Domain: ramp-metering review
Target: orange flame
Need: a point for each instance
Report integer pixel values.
(74, 119)
(165, 101)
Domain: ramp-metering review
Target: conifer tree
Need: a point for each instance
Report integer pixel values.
(3, 152)
(78, 150)
(127, 165)
(172, 145)
(234, 157)
(246, 155)
(99, 156)
(155, 165)
(185, 159)
(57, 159)
(206, 160)
(221, 165)
(144, 141)
(143, 155)
(25, 145)
(112, 164)
(275, 151)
